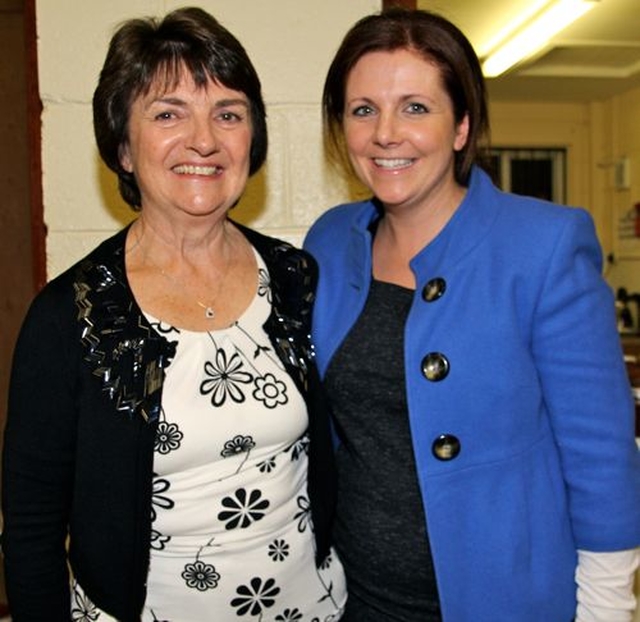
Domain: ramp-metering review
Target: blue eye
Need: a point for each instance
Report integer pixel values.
(362, 111)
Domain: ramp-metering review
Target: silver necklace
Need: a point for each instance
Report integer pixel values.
(209, 311)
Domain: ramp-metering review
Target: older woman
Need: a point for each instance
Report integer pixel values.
(469, 347)
(165, 420)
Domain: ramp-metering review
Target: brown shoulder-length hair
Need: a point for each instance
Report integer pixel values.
(436, 40)
(145, 51)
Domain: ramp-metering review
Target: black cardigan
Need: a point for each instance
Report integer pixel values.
(84, 403)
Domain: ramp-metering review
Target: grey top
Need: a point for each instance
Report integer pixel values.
(380, 528)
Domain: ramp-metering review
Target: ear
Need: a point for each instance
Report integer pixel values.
(462, 133)
(125, 158)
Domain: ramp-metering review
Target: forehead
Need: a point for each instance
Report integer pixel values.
(172, 78)
(380, 69)
(160, 87)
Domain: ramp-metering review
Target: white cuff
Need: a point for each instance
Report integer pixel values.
(605, 586)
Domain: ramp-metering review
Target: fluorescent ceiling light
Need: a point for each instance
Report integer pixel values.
(535, 35)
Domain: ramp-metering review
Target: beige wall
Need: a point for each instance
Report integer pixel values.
(291, 44)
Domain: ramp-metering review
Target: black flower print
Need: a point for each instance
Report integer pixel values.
(83, 610)
(264, 284)
(299, 447)
(266, 466)
(165, 329)
(326, 562)
(159, 486)
(304, 515)
(259, 347)
(168, 437)
(244, 509)
(224, 379)
(200, 576)
(259, 350)
(237, 445)
(251, 599)
(158, 541)
(270, 391)
(289, 615)
(278, 550)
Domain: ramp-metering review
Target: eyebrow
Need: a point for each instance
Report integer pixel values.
(222, 103)
(403, 99)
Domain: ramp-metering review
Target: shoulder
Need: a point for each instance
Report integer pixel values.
(545, 226)
(281, 257)
(57, 313)
(342, 217)
(64, 286)
(521, 209)
(334, 230)
(109, 253)
(541, 213)
(293, 273)
(545, 237)
(527, 223)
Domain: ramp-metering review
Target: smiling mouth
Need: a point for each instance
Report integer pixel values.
(393, 164)
(188, 169)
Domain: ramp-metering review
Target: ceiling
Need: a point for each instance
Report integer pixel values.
(595, 58)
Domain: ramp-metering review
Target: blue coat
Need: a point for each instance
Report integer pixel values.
(536, 395)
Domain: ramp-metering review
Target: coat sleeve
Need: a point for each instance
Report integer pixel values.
(585, 385)
(38, 462)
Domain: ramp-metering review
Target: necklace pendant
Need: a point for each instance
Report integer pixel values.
(209, 313)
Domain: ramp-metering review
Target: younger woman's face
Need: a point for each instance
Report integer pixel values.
(400, 129)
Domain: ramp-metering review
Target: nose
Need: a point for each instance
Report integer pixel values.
(387, 130)
(202, 136)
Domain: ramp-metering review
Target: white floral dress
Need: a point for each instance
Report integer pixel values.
(231, 533)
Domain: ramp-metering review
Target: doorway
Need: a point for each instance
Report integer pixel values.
(17, 280)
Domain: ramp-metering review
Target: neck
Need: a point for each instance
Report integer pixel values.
(169, 246)
(408, 230)
(404, 232)
(180, 279)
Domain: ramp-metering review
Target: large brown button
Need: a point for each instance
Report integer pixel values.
(435, 366)
(434, 289)
(446, 447)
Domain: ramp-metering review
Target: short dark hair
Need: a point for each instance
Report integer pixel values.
(436, 40)
(144, 50)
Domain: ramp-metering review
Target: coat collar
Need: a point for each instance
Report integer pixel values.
(466, 229)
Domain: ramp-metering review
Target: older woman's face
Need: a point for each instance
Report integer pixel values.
(400, 129)
(189, 148)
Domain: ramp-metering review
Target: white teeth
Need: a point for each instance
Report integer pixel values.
(186, 169)
(393, 163)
